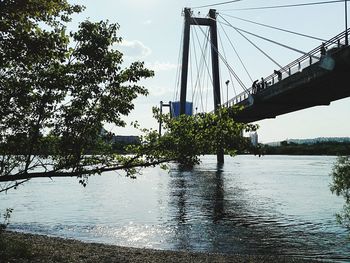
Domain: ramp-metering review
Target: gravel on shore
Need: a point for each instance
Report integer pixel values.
(23, 248)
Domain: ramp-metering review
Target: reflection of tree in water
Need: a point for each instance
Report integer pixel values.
(178, 199)
(211, 210)
(219, 209)
(181, 199)
(197, 187)
(197, 199)
(207, 216)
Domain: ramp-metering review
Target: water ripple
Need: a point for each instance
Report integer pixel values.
(250, 205)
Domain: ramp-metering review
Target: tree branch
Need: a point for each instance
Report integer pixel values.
(15, 185)
(52, 174)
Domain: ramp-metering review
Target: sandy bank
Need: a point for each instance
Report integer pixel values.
(37, 248)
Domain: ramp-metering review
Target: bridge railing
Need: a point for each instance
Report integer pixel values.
(295, 66)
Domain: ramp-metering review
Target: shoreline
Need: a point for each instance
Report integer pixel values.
(25, 248)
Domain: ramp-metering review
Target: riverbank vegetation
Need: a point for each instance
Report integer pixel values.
(341, 187)
(320, 148)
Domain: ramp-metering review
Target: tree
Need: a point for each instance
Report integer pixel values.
(341, 187)
(58, 89)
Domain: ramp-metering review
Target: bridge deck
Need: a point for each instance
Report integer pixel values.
(313, 86)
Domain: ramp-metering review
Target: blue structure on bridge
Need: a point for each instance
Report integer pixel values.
(175, 108)
(316, 78)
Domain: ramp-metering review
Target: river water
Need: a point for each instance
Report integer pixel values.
(269, 205)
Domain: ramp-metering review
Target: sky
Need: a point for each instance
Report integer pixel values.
(152, 31)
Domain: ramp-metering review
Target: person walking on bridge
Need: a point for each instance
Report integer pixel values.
(263, 83)
(254, 87)
(279, 74)
(323, 50)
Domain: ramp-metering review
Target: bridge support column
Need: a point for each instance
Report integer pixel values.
(211, 22)
(215, 59)
(185, 54)
(216, 74)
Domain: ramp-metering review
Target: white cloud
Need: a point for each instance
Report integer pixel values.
(162, 66)
(134, 49)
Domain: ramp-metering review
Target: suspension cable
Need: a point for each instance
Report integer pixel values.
(252, 43)
(207, 90)
(240, 82)
(277, 28)
(205, 61)
(223, 50)
(191, 73)
(177, 77)
(215, 49)
(202, 81)
(235, 50)
(201, 66)
(285, 6)
(208, 78)
(196, 62)
(267, 39)
(221, 3)
(221, 85)
(202, 69)
(209, 41)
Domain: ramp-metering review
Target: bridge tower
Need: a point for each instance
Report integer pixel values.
(211, 23)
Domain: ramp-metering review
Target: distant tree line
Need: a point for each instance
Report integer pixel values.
(320, 148)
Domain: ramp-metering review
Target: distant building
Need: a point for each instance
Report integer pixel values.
(124, 139)
(128, 139)
(254, 138)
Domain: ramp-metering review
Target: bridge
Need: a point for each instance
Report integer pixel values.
(318, 77)
(315, 79)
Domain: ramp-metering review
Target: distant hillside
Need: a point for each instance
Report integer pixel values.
(312, 141)
(317, 146)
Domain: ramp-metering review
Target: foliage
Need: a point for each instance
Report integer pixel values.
(11, 248)
(321, 148)
(341, 187)
(59, 88)
(188, 137)
(6, 219)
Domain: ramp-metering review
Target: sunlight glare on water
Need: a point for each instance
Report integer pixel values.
(270, 205)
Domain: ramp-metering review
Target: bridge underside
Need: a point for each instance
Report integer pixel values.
(314, 86)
